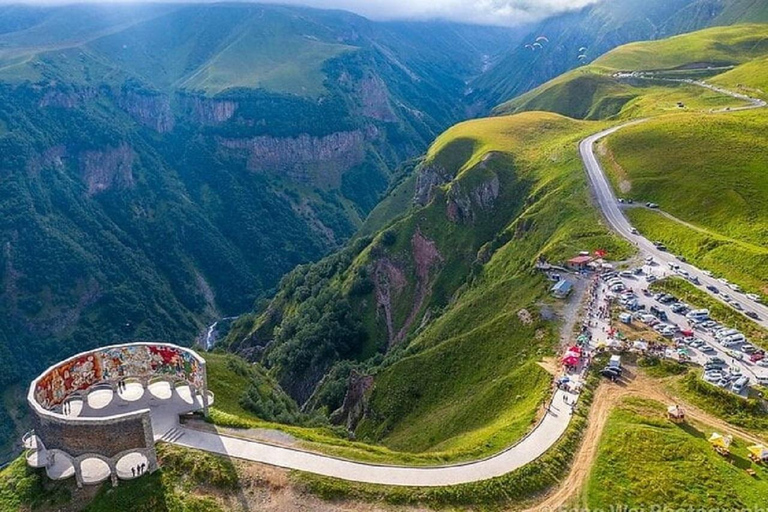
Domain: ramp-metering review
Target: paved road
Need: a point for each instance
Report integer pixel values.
(535, 444)
(609, 205)
(538, 441)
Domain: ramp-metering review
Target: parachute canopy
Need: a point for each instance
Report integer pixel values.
(538, 45)
(582, 49)
(542, 38)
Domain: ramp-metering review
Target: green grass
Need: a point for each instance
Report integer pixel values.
(726, 315)
(518, 488)
(749, 414)
(706, 170)
(468, 384)
(591, 92)
(717, 46)
(750, 78)
(188, 481)
(644, 460)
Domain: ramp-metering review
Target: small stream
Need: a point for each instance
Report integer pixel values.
(211, 334)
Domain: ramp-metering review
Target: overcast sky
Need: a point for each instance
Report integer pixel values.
(498, 12)
(495, 12)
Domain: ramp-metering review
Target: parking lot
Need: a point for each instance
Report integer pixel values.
(730, 361)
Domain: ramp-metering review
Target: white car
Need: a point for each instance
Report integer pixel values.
(713, 376)
(763, 363)
(754, 297)
(735, 287)
(707, 273)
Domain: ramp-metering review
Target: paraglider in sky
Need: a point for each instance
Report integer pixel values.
(531, 47)
(582, 49)
(537, 45)
(542, 38)
(582, 57)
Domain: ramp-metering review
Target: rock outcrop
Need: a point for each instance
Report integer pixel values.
(51, 158)
(355, 401)
(463, 205)
(305, 159)
(374, 98)
(66, 99)
(428, 179)
(150, 109)
(208, 111)
(108, 168)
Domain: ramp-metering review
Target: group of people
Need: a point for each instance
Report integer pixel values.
(139, 470)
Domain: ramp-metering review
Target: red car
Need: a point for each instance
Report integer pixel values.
(757, 356)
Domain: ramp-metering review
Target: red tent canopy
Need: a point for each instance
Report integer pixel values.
(575, 348)
(571, 360)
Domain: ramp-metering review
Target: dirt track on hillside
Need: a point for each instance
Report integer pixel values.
(607, 396)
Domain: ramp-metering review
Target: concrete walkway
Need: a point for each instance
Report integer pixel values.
(538, 441)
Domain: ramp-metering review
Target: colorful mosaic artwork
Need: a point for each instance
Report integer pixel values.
(112, 364)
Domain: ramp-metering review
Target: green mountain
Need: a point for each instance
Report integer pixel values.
(413, 336)
(596, 92)
(595, 30)
(165, 165)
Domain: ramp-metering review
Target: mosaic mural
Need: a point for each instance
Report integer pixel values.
(116, 363)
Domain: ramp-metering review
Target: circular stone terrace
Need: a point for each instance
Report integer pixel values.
(98, 414)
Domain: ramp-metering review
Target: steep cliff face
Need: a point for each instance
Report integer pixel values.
(149, 109)
(107, 169)
(464, 203)
(429, 177)
(305, 159)
(208, 111)
(50, 158)
(375, 99)
(71, 98)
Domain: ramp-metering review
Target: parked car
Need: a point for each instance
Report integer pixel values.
(753, 315)
(763, 363)
(712, 288)
(713, 376)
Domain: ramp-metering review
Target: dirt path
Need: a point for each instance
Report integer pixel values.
(607, 397)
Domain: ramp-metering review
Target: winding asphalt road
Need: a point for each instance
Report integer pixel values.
(609, 205)
(540, 439)
(531, 447)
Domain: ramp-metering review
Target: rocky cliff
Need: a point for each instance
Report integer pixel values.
(149, 109)
(306, 159)
(208, 111)
(108, 168)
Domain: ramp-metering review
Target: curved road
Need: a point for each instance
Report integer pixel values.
(536, 443)
(609, 205)
(531, 447)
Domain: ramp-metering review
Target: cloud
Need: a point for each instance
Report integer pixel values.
(495, 12)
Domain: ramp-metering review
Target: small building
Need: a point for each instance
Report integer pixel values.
(579, 262)
(562, 288)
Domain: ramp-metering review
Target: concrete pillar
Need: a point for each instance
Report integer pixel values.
(78, 472)
(151, 456)
(113, 473)
(204, 369)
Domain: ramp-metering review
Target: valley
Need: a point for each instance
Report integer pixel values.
(402, 344)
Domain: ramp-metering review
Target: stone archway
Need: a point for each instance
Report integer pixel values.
(60, 465)
(132, 465)
(94, 469)
(160, 388)
(131, 389)
(100, 396)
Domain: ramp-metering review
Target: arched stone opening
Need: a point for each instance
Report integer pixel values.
(185, 392)
(100, 396)
(131, 390)
(60, 465)
(160, 388)
(94, 470)
(132, 465)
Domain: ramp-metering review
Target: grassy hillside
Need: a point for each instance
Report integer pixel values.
(453, 365)
(597, 29)
(707, 171)
(592, 92)
(166, 165)
(644, 460)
